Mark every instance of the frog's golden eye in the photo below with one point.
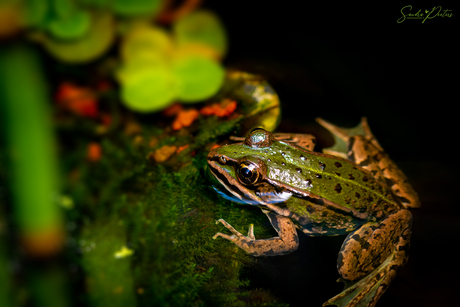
(248, 173)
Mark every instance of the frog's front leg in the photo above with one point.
(286, 242)
(370, 258)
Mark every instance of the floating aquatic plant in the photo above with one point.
(159, 68)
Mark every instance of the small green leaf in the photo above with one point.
(198, 77)
(71, 27)
(144, 41)
(148, 90)
(202, 27)
(95, 42)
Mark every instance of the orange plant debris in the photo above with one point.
(185, 118)
(220, 109)
(164, 153)
(94, 152)
(182, 148)
(78, 100)
(173, 110)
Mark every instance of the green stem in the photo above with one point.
(30, 140)
(26, 121)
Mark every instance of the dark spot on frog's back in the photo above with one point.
(357, 195)
(308, 182)
(322, 165)
(351, 176)
(298, 170)
(365, 179)
(318, 176)
(338, 164)
(338, 188)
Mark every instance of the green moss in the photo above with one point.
(108, 279)
(166, 214)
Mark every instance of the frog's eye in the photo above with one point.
(247, 172)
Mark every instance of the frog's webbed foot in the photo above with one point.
(285, 243)
(378, 250)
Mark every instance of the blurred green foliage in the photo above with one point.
(156, 66)
(159, 67)
(164, 212)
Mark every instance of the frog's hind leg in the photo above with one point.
(370, 258)
(359, 145)
(286, 242)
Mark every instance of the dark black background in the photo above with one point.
(342, 62)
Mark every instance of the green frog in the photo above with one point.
(354, 189)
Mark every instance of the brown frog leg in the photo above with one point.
(285, 243)
(370, 258)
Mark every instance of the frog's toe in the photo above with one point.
(251, 232)
(230, 227)
(223, 235)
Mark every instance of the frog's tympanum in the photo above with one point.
(359, 192)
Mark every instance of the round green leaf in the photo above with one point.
(146, 42)
(198, 77)
(73, 26)
(148, 90)
(203, 27)
(95, 42)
